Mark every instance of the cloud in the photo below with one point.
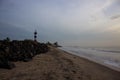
(115, 17)
(63, 20)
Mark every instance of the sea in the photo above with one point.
(109, 57)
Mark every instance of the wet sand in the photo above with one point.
(59, 65)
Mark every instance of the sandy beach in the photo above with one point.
(58, 65)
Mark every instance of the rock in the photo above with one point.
(27, 59)
(6, 64)
(19, 51)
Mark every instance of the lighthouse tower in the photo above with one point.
(35, 36)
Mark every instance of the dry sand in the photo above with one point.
(58, 65)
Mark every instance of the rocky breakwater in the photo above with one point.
(15, 50)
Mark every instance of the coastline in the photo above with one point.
(59, 65)
(93, 60)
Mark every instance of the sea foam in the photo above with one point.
(109, 57)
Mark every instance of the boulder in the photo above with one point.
(19, 51)
(6, 65)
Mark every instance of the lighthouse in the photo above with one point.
(35, 36)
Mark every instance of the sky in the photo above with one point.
(70, 22)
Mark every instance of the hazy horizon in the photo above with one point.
(69, 22)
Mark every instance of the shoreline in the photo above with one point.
(59, 65)
(93, 60)
(96, 62)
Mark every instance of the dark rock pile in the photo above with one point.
(53, 44)
(19, 51)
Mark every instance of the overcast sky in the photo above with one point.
(70, 22)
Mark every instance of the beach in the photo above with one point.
(57, 64)
(109, 57)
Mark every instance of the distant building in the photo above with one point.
(35, 35)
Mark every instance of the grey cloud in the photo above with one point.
(115, 17)
(55, 20)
